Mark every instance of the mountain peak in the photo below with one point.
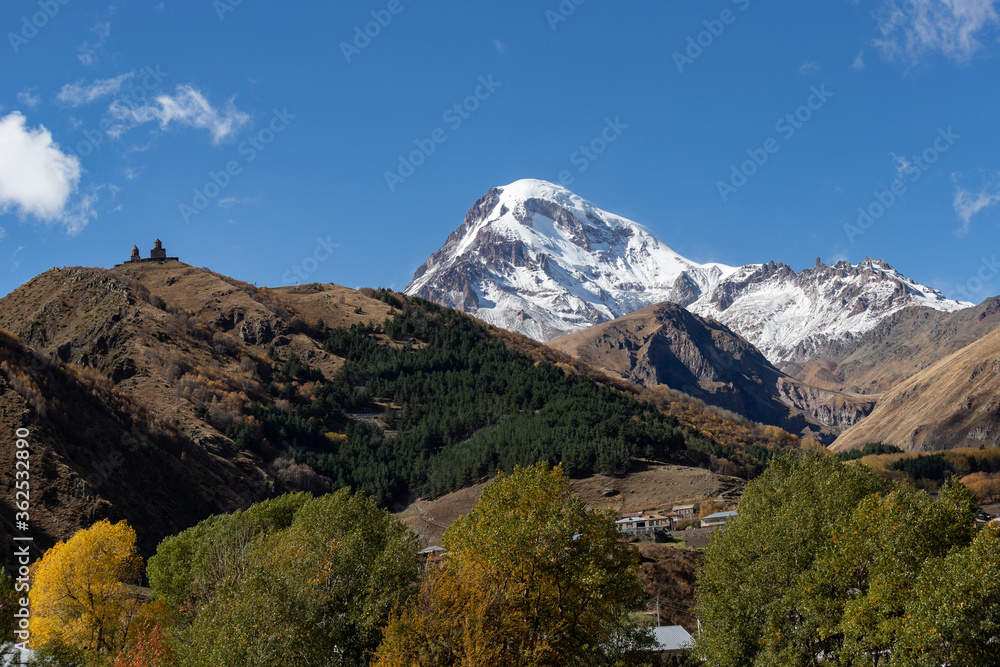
(536, 258)
(528, 188)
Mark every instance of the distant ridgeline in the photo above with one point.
(157, 254)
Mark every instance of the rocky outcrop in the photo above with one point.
(835, 410)
(667, 345)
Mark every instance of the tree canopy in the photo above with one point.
(829, 564)
(82, 590)
(296, 580)
(532, 578)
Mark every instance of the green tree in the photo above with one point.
(533, 578)
(189, 567)
(862, 581)
(315, 593)
(829, 565)
(746, 593)
(953, 615)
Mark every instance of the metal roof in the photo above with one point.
(672, 638)
(719, 515)
(430, 550)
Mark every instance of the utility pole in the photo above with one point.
(657, 611)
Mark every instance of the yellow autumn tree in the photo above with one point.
(82, 590)
(533, 579)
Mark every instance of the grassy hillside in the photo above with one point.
(952, 403)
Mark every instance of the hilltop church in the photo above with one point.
(157, 254)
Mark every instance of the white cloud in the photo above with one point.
(132, 174)
(967, 203)
(914, 28)
(500, 46)
(808, 67)
(88, 50)
(77, 94)
(38, 179)
(79, 213)
(904, 168)
(229, 202)
(26, 98)
(187, 107)
(859, 61)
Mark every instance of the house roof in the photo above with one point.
(430, 550)
(671, 638)
(719, 515)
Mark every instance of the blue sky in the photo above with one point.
(253, 137)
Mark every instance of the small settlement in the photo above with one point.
(652, 522)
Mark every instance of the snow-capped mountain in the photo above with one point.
(533, 257)
(788, 315)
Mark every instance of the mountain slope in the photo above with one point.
(111, 379)
(899, 346)
(97, 453)
(665, 344)
(952, 403)
(535, 258)
(233, 397)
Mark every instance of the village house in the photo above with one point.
(432, 556)
(672, 644)
(638, 523)
(717, 519)
(683, 511)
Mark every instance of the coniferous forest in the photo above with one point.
(455, 405)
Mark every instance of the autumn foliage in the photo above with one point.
(82, 592)
(151, 650)
(533, 578)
